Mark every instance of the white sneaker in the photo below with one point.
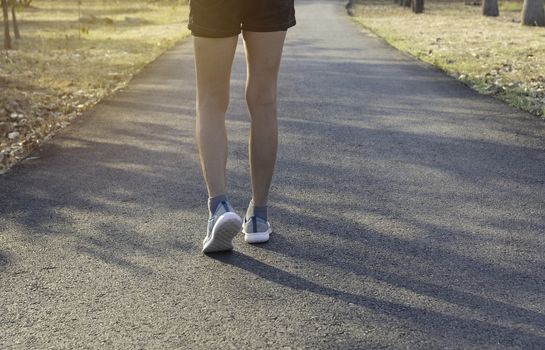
(256, 230)
(222, 228)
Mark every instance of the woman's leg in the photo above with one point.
(213, 62)
(263, 55)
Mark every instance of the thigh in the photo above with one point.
(263, 54)
(213, 62)
(268, 15)
(215, 18)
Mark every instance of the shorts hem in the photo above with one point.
(270, 28)
(200, 31)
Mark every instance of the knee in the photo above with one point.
(260, 96)
(213, 101)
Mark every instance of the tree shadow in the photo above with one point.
(4, 260)
(425, 318)
(122, 175)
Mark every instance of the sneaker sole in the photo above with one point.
(225, 229)
(257, 237)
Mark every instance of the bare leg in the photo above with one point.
(263, 55)
(213, 62)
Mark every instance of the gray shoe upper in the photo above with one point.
(222, 208)
(255, 224)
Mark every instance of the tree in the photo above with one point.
(407, 3)
(7, 37)
(533, 13)
(490, 8)
(417, 6)
(350, 7)
(14, 18)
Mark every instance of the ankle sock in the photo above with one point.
(259, 211)
(213, 203)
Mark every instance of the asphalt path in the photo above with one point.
(408, 212)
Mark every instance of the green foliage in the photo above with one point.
(512, 6)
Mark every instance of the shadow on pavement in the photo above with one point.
(427, 319)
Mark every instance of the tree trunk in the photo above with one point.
(533, 13)
(417, 6)
(15, 25)
(490, 8)
(407, 3)
(7, 38)
(350, 7)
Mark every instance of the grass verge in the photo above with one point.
(495, 56)
(69, 58)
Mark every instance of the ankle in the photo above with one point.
(214, 202)
(259, 211)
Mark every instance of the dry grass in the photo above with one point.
(496, 56)
(63, 66)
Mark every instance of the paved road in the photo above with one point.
(408, 213)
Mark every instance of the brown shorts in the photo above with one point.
(224, 18)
